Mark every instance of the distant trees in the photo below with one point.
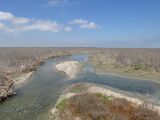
(142, 58)
(16, 59)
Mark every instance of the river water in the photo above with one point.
(40, 93)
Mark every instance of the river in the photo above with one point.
(40, 93)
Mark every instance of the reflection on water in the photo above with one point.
(40, 94)
(122, 83)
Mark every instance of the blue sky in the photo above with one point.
(80, 23)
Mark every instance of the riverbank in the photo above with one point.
(21, 79)
(17, 61)
(84, 94)
(18, 77)
(108, 65)
(6, 88)
(15, 78)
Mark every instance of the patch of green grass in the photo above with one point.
(61, 105)
(141, 67)
(103, 97)
(76, 90)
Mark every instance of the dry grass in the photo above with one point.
(98, 107)
(139, 59)
(140, 63)
(12, 59)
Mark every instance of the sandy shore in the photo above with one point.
(7, 83)
(107, 92)
(70, 68)
(21, 78)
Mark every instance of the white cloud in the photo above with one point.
(84, 24)
(5, 28)
(54, 2)
(43, 26)
(57, 2)
(6, 16)
(68, 29)
(2, 26)
(90, 25)
(11, 23)
(79, 21)
(20, 20)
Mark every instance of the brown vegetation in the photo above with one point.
(137, 58)
(98, 107)
(16, 59)
(140, 63)
(5, 88)
(13, 59)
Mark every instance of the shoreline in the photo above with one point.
(23, 74)
(101, 72)
(13, 82)
(6, 89)
(124, 71)
(22, 78)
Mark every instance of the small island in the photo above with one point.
(70, 68)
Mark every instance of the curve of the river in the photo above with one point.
(34, 100)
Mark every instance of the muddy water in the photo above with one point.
(40, 93)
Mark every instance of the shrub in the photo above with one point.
(98, 107)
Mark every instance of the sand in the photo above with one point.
(70, 68)
(22, 79)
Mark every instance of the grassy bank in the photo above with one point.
(78, 103)
(139, 63)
